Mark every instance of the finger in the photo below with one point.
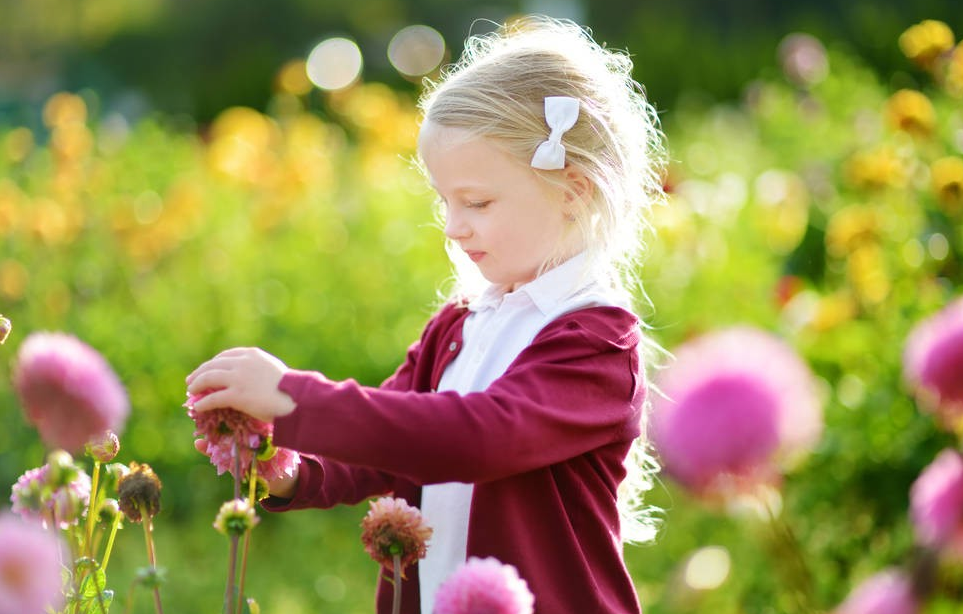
(215, 400)
(208, 381)
(223, 360)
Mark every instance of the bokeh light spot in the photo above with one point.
(416, 50)
(708, 568)
(334, 64)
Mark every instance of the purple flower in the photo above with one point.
(933, 363)
(484, 586)
(29, 568)
(37, 498)
(737, 403)
(888, 592)
(936, 502)
(68, 390)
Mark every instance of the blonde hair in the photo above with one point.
(497, 90)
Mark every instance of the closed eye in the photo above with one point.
(478, 204)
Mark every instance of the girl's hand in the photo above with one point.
(245, 379)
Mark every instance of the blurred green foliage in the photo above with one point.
(807, 207)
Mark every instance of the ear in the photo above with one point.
(578, 187)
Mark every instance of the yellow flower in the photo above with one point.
(926, 41)
(911, 112)
(954, 72)
(851, 228)
(833, 310)
(947, 178)
(878, 168)
(64, 108)
(868, 274)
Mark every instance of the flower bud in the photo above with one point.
(138, 492)
(235, 518)
(104, 447)
(109, 509)
(62, 470)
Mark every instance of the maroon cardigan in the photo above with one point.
(544, 446)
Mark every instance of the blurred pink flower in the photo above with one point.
(888, 592)
(30, 564)
(936, 503)
(68, 390)
(392, 527)
(5, 328)
(737, 404)
(933, 363)
(804, 59)
(484, 586)
(223, 430)
(36, 499)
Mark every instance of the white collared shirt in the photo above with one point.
(500, 326)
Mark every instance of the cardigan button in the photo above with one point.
(453, 346)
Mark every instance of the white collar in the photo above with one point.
(545, 291)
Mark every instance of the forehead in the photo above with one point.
(456, 155)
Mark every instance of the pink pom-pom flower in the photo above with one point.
(888, 592)
(933, 364)
(225, 432)
(936, 503)
(68, 390)
(393, 528)
(736, 406)
(37, 498)
(484, 586)
(30, 556)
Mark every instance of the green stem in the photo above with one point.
(396, 601)
(231, 573)
(110, 541)
(148, 523)
(791, 562)
(91, 510)
(240, 585)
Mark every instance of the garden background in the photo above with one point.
(172, 184)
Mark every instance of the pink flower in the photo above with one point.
(29, 568)
(5, 328)
(888, 592)
(36, 498)
(225, 430)
(737, 403)
(484, 586)
(392, 527)
(933, 363)
(68, 390)
(936, 503)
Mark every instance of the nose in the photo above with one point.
(456, 227)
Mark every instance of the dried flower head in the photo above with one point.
(936, 503)
(68, 390)
(933, 362)
(5, 327)
(138, 492)
(30, 567)
(104, 447)
(236, 517)
(51, 502)
(394, 528)
(739, 406)
(484, 586)
(888, 592)
(226, 432)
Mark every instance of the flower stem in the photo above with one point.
(91, 510)
(231, 572)
(148, 523)
(396, 601)
(791, 562)
(110, 541)
(252, 493)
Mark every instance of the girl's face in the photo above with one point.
(507, 220)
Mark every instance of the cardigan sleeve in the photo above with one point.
(575, 388)
(324, 482)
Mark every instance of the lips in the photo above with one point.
(474, 255)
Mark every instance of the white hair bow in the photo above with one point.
(560, 115)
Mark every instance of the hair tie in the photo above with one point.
(560, 115)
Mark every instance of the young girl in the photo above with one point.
(511, 422)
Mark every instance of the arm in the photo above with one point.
(575, 388)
